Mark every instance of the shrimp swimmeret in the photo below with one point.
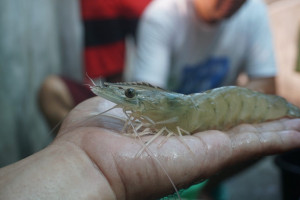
(169, 113)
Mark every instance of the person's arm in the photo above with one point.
(265, 85)
(88, 161)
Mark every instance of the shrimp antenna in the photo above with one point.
(53, 131)
(115, 106)
(91, 79)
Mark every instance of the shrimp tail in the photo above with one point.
(293, 111)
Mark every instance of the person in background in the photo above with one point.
(106, 24)
(195, 45)
(93, 162)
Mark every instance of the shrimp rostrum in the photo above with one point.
(221, 108)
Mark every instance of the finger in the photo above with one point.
(266, 138)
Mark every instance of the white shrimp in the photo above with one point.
(172, 113)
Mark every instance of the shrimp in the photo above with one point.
(221, 108)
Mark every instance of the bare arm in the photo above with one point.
(87, 161)
(265, 85)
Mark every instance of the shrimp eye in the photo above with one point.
(130, 93)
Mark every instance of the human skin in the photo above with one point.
(265, 85)
(214, 11)
(88, 161)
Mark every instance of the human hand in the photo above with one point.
(90, 159)
(208, 152)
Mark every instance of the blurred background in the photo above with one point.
(43, 37)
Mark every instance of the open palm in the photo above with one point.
(186, 161)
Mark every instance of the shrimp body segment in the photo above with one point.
(220, 108)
